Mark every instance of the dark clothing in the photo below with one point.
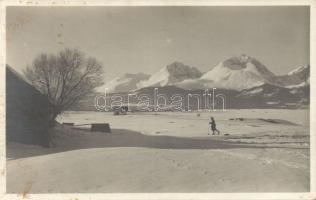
(213, 127)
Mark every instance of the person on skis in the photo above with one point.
(212, 125)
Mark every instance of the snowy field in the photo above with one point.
(257, 151)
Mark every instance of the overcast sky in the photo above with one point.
(144, 39)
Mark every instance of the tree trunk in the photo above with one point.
(55, 113)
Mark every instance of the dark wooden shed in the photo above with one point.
(28, 112)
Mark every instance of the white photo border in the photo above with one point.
(152, 196)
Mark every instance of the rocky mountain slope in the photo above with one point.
(126, 82)
(171, 75)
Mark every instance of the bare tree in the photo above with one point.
(65, 78)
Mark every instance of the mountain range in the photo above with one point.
(244, 80)
(235, 73)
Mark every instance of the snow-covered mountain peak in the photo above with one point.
(238, 73)
(171, 74)
(235, 73)
(125, 82)
(244, 62)
(236, 63)
(182, 71)
(298, 70)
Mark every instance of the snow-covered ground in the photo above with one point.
(257, 151)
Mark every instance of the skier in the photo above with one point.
(212, 125)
